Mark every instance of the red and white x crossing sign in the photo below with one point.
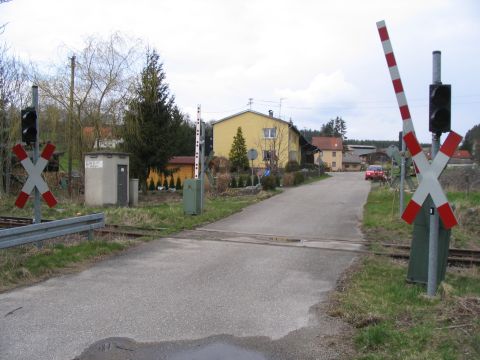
(34, 175)
(429, 183)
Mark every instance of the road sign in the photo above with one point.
(34, 175)
(429, 183)
(252, 154)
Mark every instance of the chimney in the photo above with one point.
(270, 113)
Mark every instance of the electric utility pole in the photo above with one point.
(70, 124)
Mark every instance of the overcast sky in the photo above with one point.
(323, 58)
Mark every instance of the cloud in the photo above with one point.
(324, 88)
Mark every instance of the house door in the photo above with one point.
(122, 185)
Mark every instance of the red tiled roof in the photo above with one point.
(327, 143)
(182, 160)
(461, 154)
(104, 131)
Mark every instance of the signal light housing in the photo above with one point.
(440, 108)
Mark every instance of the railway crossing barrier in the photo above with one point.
(37, 232)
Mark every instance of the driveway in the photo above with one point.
(248, 287)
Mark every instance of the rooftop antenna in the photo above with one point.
(250, 102)
(280, 108)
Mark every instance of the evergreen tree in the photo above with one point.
(171, 184)
(335, 128)
(178, 185)
(150, 127)
(238, 152)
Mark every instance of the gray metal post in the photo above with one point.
(36, 150)
(402, 177)
(434, 219)
(202, 164)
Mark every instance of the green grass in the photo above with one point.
(396, 321)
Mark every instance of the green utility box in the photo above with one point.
(418, 264)
(192, 197)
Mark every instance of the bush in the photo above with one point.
(277, 180)
(255, 180)
(233, 184)
(165, 184)
(223, 181)
(288, 179)
(249, 181)
(269, 182)
(298, 178)
(241, 182)
(178, 185)
(220, 164)
(292, 166)
(171, 184)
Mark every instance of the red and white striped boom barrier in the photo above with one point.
(429, 184)
(34, 175)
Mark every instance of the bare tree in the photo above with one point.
(13, 82)
(104, 76)
(2, 27)
(273, 144)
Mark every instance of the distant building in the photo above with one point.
(331, 151)
(103, 138)
(352, 162)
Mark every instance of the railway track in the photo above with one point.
(456, 256)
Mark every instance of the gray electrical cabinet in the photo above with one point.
(418, 263)
(192, 197)
(106, 179)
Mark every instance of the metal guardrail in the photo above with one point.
(37, 232)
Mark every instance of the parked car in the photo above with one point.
(375, 172)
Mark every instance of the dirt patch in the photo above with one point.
(158, 197)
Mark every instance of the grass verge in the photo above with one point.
(394, 319)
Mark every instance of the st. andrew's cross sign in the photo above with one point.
(34, 175)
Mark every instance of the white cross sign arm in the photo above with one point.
(429, 184)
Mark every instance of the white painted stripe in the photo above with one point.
(387, 46)
(394, 73)
(401, 99)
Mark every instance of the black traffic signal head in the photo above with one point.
(440, 100)
(29, 125)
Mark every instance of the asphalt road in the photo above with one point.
(182, 298)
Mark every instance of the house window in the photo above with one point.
(270, 133)
(268, 155)
(334, 164)
(334, 154)
(347, 166)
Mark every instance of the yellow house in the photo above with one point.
(181, 167)
(331, 151)
(276, 141)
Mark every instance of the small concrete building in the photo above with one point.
(106, 178)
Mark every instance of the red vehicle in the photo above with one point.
(375, 172)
